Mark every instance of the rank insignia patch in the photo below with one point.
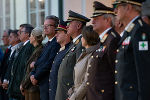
(143, 45)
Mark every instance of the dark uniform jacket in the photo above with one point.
(100, 72)
(43, 66)
(54, 72)
(65, 73)
(18, 70)
(133, 63)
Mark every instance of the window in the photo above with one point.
(36, 12)
(4, 16)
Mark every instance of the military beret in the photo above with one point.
(62, 26)
(37, 31)
(135, 2)
(75, 16)
(146, 8)
(100, 9)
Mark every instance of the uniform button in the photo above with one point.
(89, 65)
(50, 71)
(92, 57)
(87, 74)
(131, 87)
(53, 62)
(123, 47)
(117, 50)
(116, 61)
(57, 53)
(102, 91)
(49, 89)
(116, 82)
(87, 83)
(68, 55)
(63, 59)
(49, 80)
(97, 56)
(116, 72)
(68, 84)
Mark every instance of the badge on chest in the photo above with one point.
(143, 45)
(101, 49)
(126, 41)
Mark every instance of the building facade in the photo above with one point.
(15, 12)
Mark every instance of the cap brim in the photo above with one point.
(96, 15)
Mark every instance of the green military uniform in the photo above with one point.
(65, 74)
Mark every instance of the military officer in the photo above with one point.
(132, 67)
(65, 75)
(101, 67)
(64, 40)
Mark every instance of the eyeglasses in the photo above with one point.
(22, 32)
(46, 26)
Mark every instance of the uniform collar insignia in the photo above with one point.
(104, 37)
(140, 22)
(77, 41)
(129, 29)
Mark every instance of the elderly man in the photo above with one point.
(132, 60)
(101, 69)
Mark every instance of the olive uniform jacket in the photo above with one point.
(100, 81)
(65, 73)
(133, 63)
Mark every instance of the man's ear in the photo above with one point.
(79, 26)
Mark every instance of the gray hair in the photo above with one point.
(112, 18)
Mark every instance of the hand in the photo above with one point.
(33, 80)
(5, 85)
(22, 90)
(32, 65)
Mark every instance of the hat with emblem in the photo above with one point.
(100, 9)
(146, 8)
(75, 16)
(135, 2)
(62, 26)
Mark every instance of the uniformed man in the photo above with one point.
(146, 12)
(64, 40)
(132, 68)
(65, 75)
(101, 68)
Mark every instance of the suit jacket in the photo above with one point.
(26, 82)
(80, 74)
(18, 70)
(65, 73)
(100, 81)
(132, 68)
(43, 66)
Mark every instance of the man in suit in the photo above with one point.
(19, 64)
(132, 60)
(65, 75)
(4, 63)
(43, 65)
(100, 72)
